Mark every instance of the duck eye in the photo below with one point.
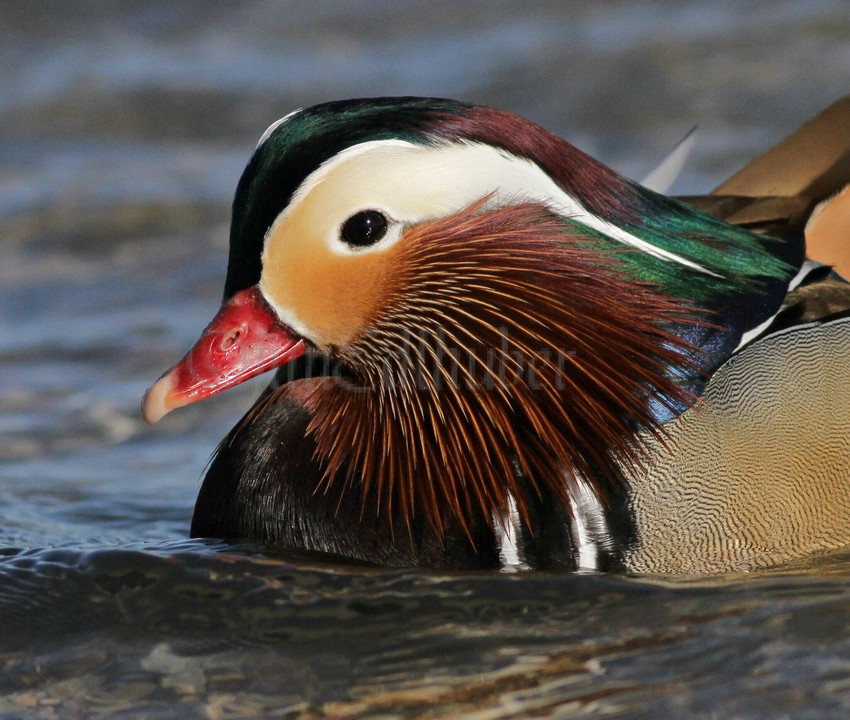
(364, 228)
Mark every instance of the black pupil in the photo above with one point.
(364, 228)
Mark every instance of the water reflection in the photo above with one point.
(197, 626)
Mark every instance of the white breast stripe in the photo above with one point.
(586, 554)
(807, 267)
(753, 333)
(507, 535)
(590, 527)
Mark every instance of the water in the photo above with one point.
(193, 630)
(123, 131)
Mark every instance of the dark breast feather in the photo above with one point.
(264, 485)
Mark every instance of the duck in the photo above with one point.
(492, 351)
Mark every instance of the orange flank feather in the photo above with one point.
(809, 165)
(828, 233)
(505, 352)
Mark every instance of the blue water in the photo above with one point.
(123, 131)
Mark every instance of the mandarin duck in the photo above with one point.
(495, 352)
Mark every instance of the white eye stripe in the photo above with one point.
(416, 183)
(326, 168)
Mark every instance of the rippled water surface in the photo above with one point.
(123, 131)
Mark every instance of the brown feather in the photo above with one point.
(505, 348)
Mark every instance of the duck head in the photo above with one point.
(501, 311)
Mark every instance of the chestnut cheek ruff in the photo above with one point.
(509, 352)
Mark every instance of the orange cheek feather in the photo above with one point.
(333, 296)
